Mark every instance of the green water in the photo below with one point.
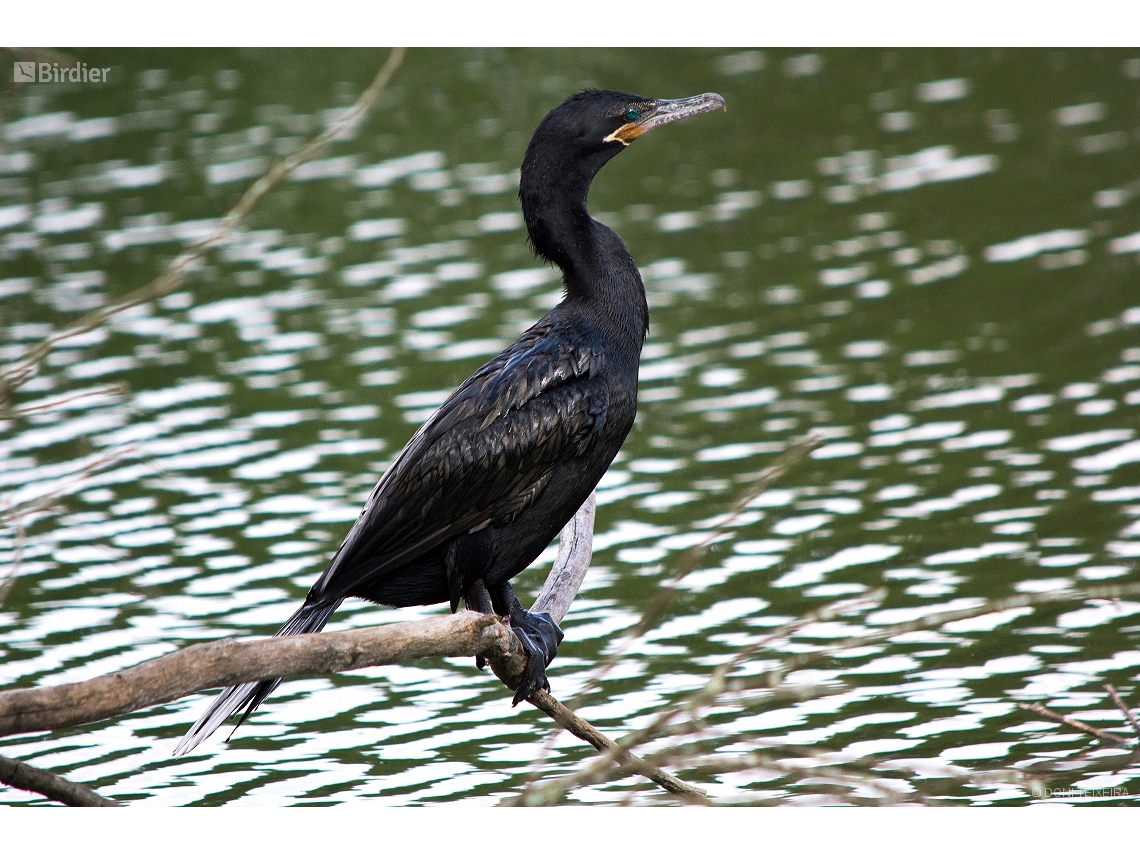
(927, 257)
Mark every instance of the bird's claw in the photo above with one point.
(540, 636)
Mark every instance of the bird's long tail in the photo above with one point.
(247, 696)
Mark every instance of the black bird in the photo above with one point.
(493, 476)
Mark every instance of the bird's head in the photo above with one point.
(597, 120)
(583, 132)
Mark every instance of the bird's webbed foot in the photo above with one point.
(540, 637)
(536, 631)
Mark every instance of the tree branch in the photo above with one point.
(24, 777)
(612, 753)
(1076, 724)
(228, 662)
(575, 548)
(14, 376)
(1120, 705)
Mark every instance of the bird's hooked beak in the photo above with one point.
(664, 112)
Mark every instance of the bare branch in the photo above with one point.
(773, 676)
(59, 488)
(574, 551)
(20, 775)
(1069, 721)
(575, 546)
(228, 662)
(796, 451)
(1120, 705)
(16, 375)
(770, 679)
(614, 753)
(757, 483)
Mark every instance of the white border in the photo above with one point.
(722, 23)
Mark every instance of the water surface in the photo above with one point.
(929, 258)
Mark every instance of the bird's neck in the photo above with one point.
(599, 273)
(553, 198)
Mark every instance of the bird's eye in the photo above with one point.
(632, 114)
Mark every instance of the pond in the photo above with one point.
(926, 259)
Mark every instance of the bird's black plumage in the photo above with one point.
(504, 463)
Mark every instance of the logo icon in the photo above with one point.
(53, 72)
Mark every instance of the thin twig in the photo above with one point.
(773, 676)
(789, 755)
(614, 759)
(821, 615)
(66, 400)
(1040, 710)
(80, 477)
(613, 764)
(8, 580)
(20, 775)
(691, 703)
(614, 753)
(691, 558)
(1123, 708)
(838, 772)
(16, 375)
(575, 547)
(688, 561)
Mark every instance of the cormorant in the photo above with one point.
(492, 477)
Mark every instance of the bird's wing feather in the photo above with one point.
(482, 458)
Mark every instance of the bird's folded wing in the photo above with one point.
(482, 458)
